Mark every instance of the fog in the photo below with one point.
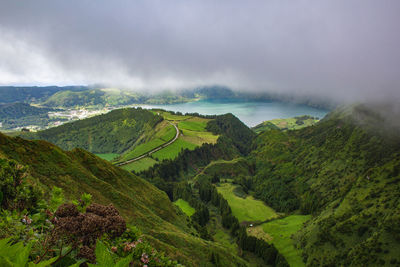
(344, 50)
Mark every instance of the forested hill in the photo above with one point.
(19, 110)
(29, 94)
(141, 204)
(21, 114)
(233, 129)
(346, 172)
(115, 131)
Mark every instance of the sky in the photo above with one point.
(336, 49)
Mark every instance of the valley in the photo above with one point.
(235, 188)
(200, 133)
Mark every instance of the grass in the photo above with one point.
(185, 207)
(140, 165)
(164, 132)
(194, 124)
(280, 231)
(199, 138)
(167, 133)
(287, 124)
(170, 117)
(248, 209)
(172, 151)
(193, 131)
(108, 156)
(142, 149)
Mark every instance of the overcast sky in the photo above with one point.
(341, 49)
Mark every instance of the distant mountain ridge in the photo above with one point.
(100, 96)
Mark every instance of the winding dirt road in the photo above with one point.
(153, 150)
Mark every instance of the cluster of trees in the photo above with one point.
(188, 161)
(201, 216)
(21, 114)
(233, 129)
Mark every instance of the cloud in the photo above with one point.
(342, 49)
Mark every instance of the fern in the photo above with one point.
(105, 258)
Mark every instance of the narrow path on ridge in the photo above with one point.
(153, 150)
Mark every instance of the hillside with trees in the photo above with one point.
(31, 172)
(113, 132)
(14, 115)
(345, 172)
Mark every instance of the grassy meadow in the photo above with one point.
(280, 232)
(248, 209)
(172, 151)
(140, 165)
(108, 156)
(185, 207)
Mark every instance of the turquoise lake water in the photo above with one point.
(249, 112)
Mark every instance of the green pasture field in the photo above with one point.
(185, 207)
(280, 231)
(108, 156)
(194, 124)
(140, 165)
(172, 151)
(142, 149)
(248, 209)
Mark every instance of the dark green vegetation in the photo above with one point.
(139, 203)
(344, 171)
(286, 124)
(323, 195)
(20, 114)
(114, 132)
(34, 94)
(42, 232)
(102, 97)
(91, 98)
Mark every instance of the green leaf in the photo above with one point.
(124, 261)
(78, 263)
(5, 262)
(103, 256)
(43, 263)
(23, 255)
(4, 246)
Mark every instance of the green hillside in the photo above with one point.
(344, 171)
(192, 134)
(113, 132)
(140, 203)
(286, 124)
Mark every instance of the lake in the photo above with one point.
(249, 112)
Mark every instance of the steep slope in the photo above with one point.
(346, 172)
(113, 132)
(141, 204)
